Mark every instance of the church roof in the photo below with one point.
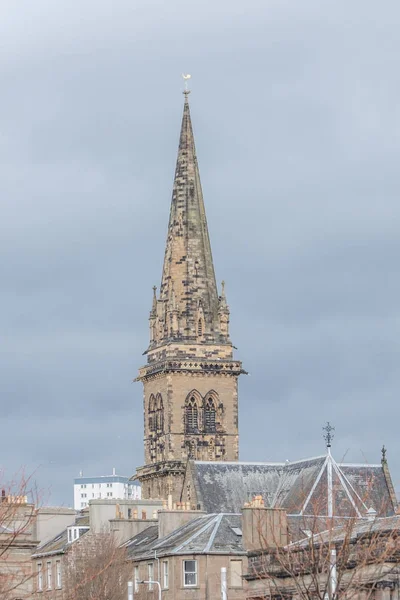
(207, 534)
(300, 487)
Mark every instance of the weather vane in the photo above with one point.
(328, 436)
(186, 78)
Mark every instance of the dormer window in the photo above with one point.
(75, 532)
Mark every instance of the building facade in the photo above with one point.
(105, 486)
(85, 540)
(355, 558)
(22, 526)
(190, 381)
(17, 542)
(185, 553)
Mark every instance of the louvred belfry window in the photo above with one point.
(191, 416)
(209, 416)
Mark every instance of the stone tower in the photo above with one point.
(190, 379)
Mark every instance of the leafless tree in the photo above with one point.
(19, 501)
(97, 569)
(338, 557)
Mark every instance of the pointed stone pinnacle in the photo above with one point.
(188, 265)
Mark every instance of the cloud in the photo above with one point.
(297, 130)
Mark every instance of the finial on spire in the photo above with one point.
(328, 436)
(223, 289)
(154, 305)
(383, 453)
(186, 90)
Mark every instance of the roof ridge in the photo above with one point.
(294, 462)
(210, 542)
(374, 465)
(237, 462)
(186, 525)
(196, 533)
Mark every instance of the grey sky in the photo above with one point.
(295, 108)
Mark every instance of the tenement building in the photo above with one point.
(190, 379)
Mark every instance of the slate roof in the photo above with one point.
(298, 487)
(359, 528)
(59, 543)
(370, 483)
(226, 486)
(208, 534)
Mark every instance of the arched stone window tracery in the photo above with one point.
(152, 414)
(209, 415)
(191, 415)
(159, 414)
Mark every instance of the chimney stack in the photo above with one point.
(171, 519)
(262, 527)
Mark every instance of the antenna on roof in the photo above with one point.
(328, 435)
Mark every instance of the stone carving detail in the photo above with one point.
(223, 313)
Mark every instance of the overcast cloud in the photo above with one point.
(295, 107)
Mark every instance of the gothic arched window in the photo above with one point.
(209, 415)
(191, 416)
(160, 414)
(152, 413)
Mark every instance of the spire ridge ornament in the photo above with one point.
(154, 303)
(186, 91)
(384, 453)
(223, 289)
(328, 435)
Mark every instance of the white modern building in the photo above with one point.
(104, 487)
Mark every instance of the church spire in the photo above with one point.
(190, 380)
(188, 271)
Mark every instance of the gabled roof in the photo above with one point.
(296, 483)
(226, 486)
(208, 534)
(371, 484)
(299, 487)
